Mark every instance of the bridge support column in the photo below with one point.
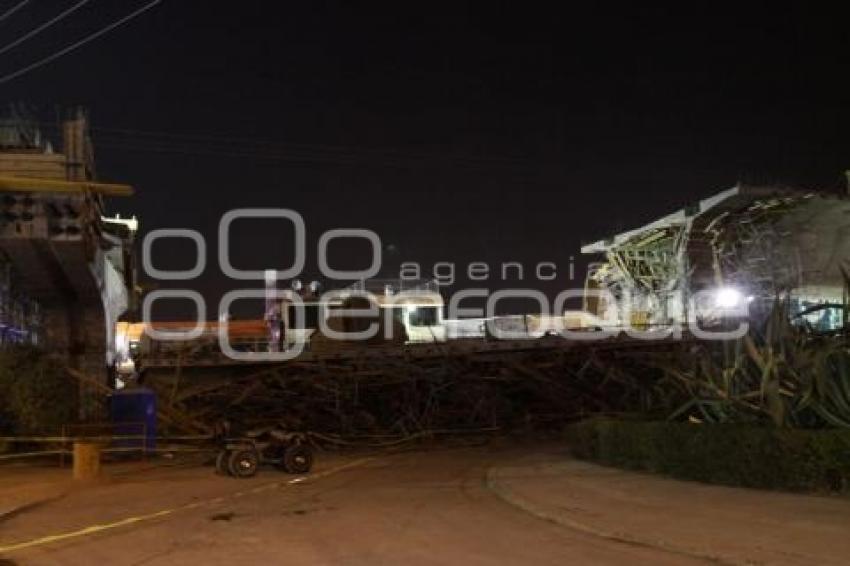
(78, 333)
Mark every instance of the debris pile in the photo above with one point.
(397, 397)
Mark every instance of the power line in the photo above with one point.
(125, 139)
(80, 43)
(13, 9)
(351, 158)
(44, 26)
(171, 139)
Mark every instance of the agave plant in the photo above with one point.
(779, 372)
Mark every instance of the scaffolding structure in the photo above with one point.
(765, 242)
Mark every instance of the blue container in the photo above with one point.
(133, 413)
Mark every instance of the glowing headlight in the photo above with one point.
(728, 298)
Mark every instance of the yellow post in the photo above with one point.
(86, 460)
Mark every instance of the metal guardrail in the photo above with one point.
(104, 433)
(94, 432)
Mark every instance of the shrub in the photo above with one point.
(728, 454)
(36, 394)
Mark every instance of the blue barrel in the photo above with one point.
(133, 413)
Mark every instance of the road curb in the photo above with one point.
(511, 497)
(15, 510)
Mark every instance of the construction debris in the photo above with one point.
(400, 393)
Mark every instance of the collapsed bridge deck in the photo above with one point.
(403, 390)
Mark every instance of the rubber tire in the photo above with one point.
(243, 463)
(222, 464)
(298, 459)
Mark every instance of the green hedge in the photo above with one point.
(738, 455)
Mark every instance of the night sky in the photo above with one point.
(459, 132)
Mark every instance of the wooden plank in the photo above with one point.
(58, 175)
(41, 166)
(21, 184)
(25, 166)
(32, 157)
(32, 163)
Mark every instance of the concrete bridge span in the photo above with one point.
(67, 270)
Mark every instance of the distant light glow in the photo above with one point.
(728, 298)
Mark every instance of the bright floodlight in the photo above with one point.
(728, 298)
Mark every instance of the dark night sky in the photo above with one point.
(490, 132)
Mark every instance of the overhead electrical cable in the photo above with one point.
(76, 45)
(44, 26)
(13, 9)
(166, 140)
(147, 141)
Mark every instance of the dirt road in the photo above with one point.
(413, 508)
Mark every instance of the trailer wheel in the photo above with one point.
(243, 463)
(298, 459)
(222, 462)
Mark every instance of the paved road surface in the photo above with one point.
(431, 507)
